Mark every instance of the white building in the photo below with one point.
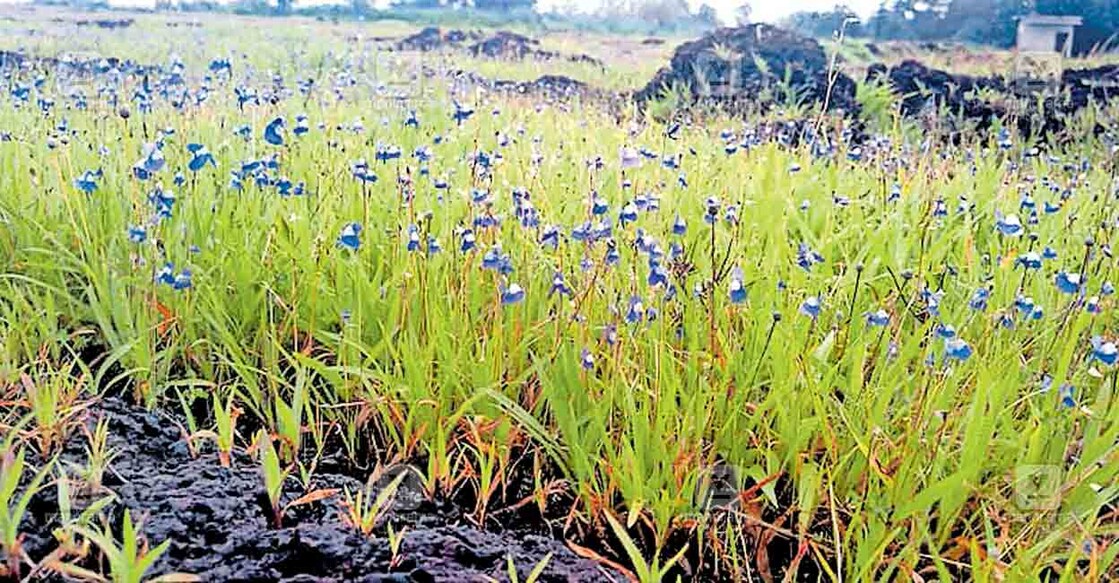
(1039, 33)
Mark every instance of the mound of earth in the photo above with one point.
(921, 88)
(107, 23)
(219, 528)
(434, 38)
(508, 45)
(749, 62)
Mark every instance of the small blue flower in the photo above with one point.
(878, 319)
(1107, 289)
(979, 300)
(1008, 225)
(1030, 260)
(87, 182)
(811, 307)
(468, 241)
(946, 331)
(413, 238)
(433, 245)
(183, 280)
(586, 359)
(512, 294)
(1104, 351)
(658, 275)
(1048, 253)
(956, 349)
(1068, 283)
(636, 310)
(679, 227)
(628, 213)
(274, 132)
(737, 286)
(1065, 392)
(1092, 305)
(200, 157)
(166, 274)
(137, 234)
(559, 286)
(350, 237)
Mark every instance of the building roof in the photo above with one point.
(1051, 20)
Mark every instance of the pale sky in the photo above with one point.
(763, 10)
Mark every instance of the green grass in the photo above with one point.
(891, 465)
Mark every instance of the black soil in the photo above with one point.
(761, 65)
(220, 531)
(749, 62)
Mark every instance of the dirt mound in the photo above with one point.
(508, 45)
(1086, 85)
(107, 23)
(921, 89)
(434, 38)
(550, 87)
(749, 62)
(219, 530)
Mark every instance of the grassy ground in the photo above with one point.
(861, 330)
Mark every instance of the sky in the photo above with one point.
(763, 10)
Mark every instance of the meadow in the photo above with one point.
(686, 346)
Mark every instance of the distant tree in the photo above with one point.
(823, 24)
(743, 13)
(284, 6)
(504, 5)
(708, 16)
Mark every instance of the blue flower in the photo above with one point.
(87, 182)
(956, 349)
(878, 319)
(350, 237)
(461, 113)
(468, 241)
(679, 227)
(200, 157)
(586, 359)
(302, 127)
(946, 331)
(559, 286)
(273, 132)
(412, 121)
(150, 163)
(512, 294)
(1107, 289)
(1048, 253)
(1030, 260)
(979, 299)
(628, 213)
(1104, 351)
(737, 286)
(1092, 305)
(137, 234)
(1065, 392)
(1008, 225)
(182, 281)
(166, 274)
(636, 310)
(433, 245)
(806, 257)
(1068, 283)
(811, 307)
(658, 275)
(711, 215)
(413, 238)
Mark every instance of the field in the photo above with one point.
(281, 302)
